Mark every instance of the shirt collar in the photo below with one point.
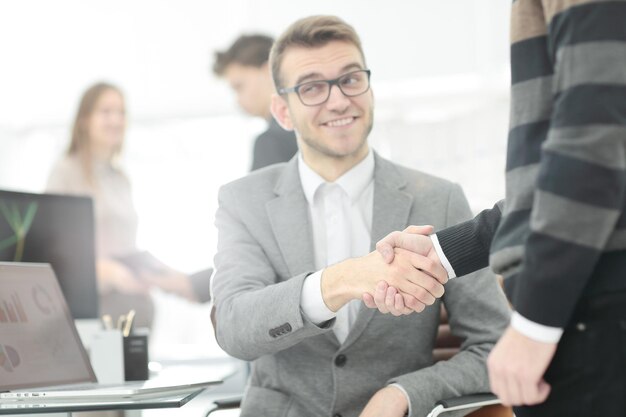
(310, 179)
(358, 178)
(352, 182)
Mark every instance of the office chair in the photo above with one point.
(225, 404)
(446, 346)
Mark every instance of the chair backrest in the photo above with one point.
(447, 345)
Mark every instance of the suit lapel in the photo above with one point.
(392, 207)
(289, 216)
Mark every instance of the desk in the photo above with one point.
(66, 409)
(229, 370)
(182, 371)
(232, 386)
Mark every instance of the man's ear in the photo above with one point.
(280, 111)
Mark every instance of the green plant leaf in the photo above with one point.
(31, 210)
(8, 242)
(17, 214)
(6, 212)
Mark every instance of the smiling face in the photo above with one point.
(338, 128)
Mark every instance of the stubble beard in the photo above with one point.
(327, 151)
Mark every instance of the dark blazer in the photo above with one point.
(466, 245)
(273, 146)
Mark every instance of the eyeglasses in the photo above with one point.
(314, 93)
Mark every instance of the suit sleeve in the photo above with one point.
(256, 313)
(478, 313)
(466, 245)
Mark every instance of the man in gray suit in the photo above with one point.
(315, 350)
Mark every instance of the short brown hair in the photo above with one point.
(247, 50)
(311, 32)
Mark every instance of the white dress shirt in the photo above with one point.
(528, 328)
(341, 218)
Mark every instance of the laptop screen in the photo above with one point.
(55, 229)
(39, 345)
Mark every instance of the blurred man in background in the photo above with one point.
(245, 66)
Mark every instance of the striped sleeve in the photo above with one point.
(581, 177)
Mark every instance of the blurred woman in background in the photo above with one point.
(91, 167)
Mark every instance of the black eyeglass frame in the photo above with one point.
(295, 89)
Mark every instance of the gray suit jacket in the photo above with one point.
(265, 251)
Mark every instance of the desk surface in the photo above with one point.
(166, 401)
(173, 370)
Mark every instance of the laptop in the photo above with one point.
(41, 355)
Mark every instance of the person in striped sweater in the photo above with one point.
(559, 239)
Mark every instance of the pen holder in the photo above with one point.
(106, 355)
(136, 356)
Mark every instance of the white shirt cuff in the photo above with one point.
(312, 302)
(442, 258)
(406, 394)
(535, 331)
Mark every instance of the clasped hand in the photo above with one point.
(390, 298)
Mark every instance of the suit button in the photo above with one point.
(341, 360)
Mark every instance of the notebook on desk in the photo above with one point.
(41, 355)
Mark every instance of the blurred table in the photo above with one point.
(232, 372)
(58, 408)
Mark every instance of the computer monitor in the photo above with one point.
(57, 229)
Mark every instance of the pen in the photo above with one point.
(129, 322)
(120, 321)
(107, 322)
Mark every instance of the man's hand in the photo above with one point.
(409, 273)
(413, 238)
(114, 276)
(171, 281)
(516, 367)
(388, 299)
(387, 402)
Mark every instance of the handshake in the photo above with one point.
(403, 275)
